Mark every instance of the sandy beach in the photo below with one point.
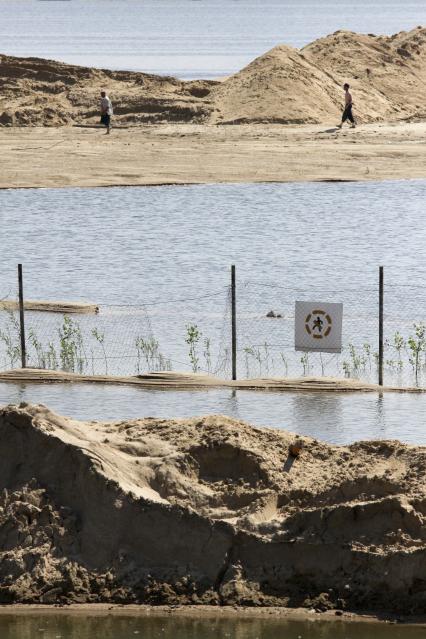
(273, 121)
(197, 154)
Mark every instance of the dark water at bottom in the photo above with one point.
(66, 626)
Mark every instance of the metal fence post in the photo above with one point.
(22, 318)
(381, 300)
(234, 323)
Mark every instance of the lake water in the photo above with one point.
(333, 417)
(65, 626)
(158, 260)
(186, 38)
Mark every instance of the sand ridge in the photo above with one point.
(173, 380)
(47, 306)
(207, 510)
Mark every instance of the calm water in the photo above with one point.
(336, 418)
(186, 38)
(112, 627)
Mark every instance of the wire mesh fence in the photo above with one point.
(266, 317)
(194, 334)
(177, 334)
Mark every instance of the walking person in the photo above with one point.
(106, 111)
(347, 113)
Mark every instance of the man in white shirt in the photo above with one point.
(106, 111)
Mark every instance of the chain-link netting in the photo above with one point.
(194, 334)
(266, 331)
(405, 333)
(182, 334)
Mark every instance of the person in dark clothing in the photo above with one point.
(106, 111)
(347, 113)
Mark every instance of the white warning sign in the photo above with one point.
(318, 327)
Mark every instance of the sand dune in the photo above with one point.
(387, 76)
(285, 85)
(206, 510)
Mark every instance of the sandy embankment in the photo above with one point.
(206, 511)
(178, 131)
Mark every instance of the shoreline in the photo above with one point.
(195, 154)
(208, 612)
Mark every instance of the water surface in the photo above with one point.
(63, 626)
(338, 418)
(166, 253)
(187, 38)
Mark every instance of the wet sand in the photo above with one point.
(173, 380)
(80, 308)
(203, 154)
(210, 612)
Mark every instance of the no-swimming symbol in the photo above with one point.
(318, 324)
(318, 327)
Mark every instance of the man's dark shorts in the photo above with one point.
(105, 119)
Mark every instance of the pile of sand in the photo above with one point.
(280, 86)
(206, 510)
(285, 85)
(38, 92)
(387, 76)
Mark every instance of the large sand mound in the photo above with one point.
(285, 85)
(206, 510)
(280, 86)
(387, 74)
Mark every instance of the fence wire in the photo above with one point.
(266, 332)
(124, 339)
(193, 333)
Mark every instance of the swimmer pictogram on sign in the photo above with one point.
(318, 327)
(318, 324)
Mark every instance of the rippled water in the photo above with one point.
(183, 37)
(333, 417)
(113, 627)
(118, 245)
